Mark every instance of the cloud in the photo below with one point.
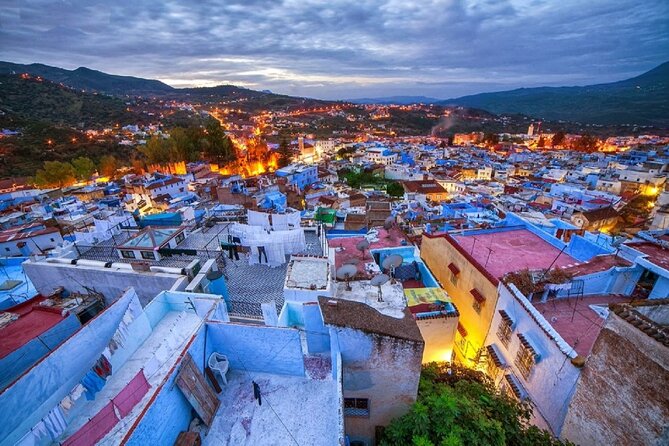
(344, 48)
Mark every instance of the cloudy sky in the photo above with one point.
(337, 49)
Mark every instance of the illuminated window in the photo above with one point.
(356, 407)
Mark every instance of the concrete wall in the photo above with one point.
(616, 280)
(108, 281)
(438, 253)
(551, 383)
(383, 369)
(621, 398)
(38, 391)
(439, 336)
(258, 348)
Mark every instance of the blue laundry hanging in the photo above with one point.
(93, 384)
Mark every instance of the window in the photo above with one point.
(128, 254)
(526, 357)
(180, 238)
(477, 306)
(356, 407)
(505, 328)
(479, 299)
(149, 255)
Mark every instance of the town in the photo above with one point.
(211, 294)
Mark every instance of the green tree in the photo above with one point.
(586, 143)
(158, 150)
(558, 139)
(55, 174)
(186, 143)
(219, 148)
(108, 166)
(459, 406)
(84, 167)
(285, 153)
(395, 189)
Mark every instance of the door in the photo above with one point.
(198, 393)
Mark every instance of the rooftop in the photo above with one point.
(502, 252)
(15, 286)
(308, 273)
(656, 254)
(33, 320)
(575, 319)
(597, 264)
(346, 251)
(362, 316)
(241, 421)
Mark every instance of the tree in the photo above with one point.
(460, 406)
(219, 148)
(108, 166)
(586, 143)
(285, 153)
(84, 167)
(558, 139)
(158, 150)
(55, 174)
(395, 189)
(186, 143)
(541, 142)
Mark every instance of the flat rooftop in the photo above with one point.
(294, 410)
(17, 286)
(656, 254)
(33, 320)
(346, 251)
(576, 320)
(597, 264)
(308, 273)
(502, 252)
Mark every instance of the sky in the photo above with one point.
(344, 49)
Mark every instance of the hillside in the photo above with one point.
(32, 99)
(90, 80)
(395, 100)
(642, 100)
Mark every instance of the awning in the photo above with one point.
(417, 296)
(462, 330)
(496, 356)
(528, 345)
(454, 269)
(506, 317)
(515, 386)
(477, 295)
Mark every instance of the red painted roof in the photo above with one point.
(33, 321)
(655, 253)
(22, 232)
(597, 264)
(573, 319)
(387, 239)
(501, 252)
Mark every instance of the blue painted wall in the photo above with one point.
(258, 348)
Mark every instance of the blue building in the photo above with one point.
(299, 175)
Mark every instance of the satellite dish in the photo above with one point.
(392, 261)
(389, 223)
(378, 281)
(345, 273)
(362, 246)
(214, 275)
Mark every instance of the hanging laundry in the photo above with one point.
(93, 431)
(34, 436)
(55, 423)
(66, 403)
(93, 384)
(131, 394)
(76, 393)
(103, 367)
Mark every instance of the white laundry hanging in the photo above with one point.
(258, 219)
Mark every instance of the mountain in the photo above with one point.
(34, 99)
(402, 100)
(642, 100)
(90, 80)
